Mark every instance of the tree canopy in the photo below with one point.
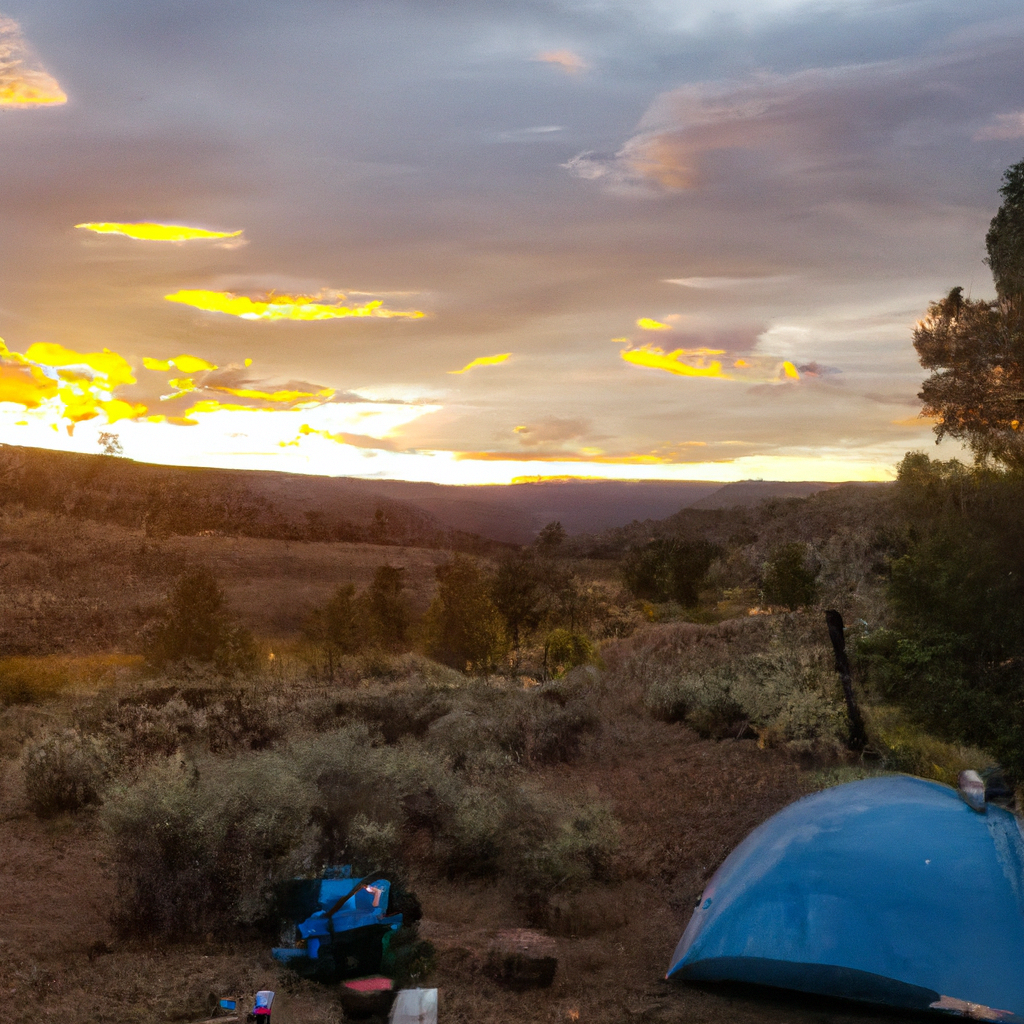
(975, 347)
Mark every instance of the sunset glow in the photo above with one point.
(283, 307)
(660, 243)
(157, 232)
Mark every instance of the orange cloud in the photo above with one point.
(283, 307)
(571, 62)
(157, 232)
(698, 363)
(23, 81)
(647, 324)
(483, 361)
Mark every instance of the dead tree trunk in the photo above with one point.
(858, 739)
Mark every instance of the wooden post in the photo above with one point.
(858, 739)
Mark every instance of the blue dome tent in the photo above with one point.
(889, 890)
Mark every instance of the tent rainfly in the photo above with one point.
(889, 890)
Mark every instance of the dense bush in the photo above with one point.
(199, 847)
(64, 771)
(564, 651)
(783, 697)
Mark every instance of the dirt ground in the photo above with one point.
(683, 803)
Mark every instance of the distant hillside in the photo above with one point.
(752, 492)
(166, 500)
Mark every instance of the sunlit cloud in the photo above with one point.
(284, 307)
(719, 283)
(701, 362)
(647, 324)
(187, 364)
(157, 232)
(483, 361)
(568, 61)
(1002, 128)
(70, 386)
(23, 81)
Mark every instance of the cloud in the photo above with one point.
(550, 430)
(719, 283)
(647, 324)
(701, 362)
(570, 62)
(157, 232)
(845, 131)
(483, 361)
(23, 81)
(284, 307)
(1002, 127)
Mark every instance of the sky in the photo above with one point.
(475, 241)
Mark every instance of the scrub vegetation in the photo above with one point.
(519, 736)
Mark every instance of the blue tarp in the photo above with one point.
(889, 890)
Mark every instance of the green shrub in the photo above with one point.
(64, 771)
(783, 697)
(564, 650)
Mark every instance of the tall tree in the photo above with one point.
(975, 347)
(462, 627)
(517, 594)
(387, 608)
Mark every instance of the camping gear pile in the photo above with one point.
(343, 928)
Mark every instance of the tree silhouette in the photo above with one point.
(975, 347)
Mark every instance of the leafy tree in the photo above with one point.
(787, 579)
(955, 660)
(669, 570)
(975, 347)
(196, 625)
(462, 627)
(387, 609)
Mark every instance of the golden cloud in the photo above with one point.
(571, 62)
(283, 307)
(76, 386)
(187, 364)
(483, 361)
(23, 81)
(157, 232)
(698, 362)
(647, 324)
